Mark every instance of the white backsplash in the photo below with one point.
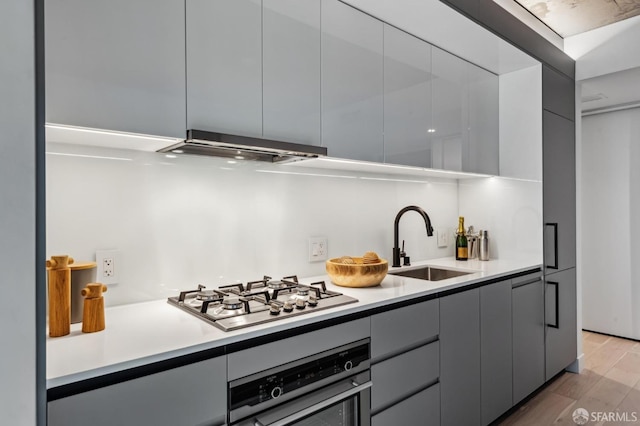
(189, 220)
(510, 209)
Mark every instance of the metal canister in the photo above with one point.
(483, 245)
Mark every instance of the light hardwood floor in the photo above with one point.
(610, 382)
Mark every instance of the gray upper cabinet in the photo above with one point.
(558, 93)
(465, 115)
(352, 68)
(560, 311)
(495, 350)
(105, 70)
(195, 394)
(224, 66)
(407, 99)
(449, 101)
(460, 359)
(291, 70)
(482, 150)
(559, 192)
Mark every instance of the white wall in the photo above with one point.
(610, 208)
(17, 215)
(181, 222)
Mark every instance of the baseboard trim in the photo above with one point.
(576, 366)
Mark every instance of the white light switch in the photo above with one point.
(317, 249)
(443, 238)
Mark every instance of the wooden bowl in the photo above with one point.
(357, 274)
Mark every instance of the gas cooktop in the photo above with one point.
(235, 306)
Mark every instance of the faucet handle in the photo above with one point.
(402, 252)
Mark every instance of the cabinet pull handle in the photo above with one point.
(555, 245)
(557, 322)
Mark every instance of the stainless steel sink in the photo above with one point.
(430, 273)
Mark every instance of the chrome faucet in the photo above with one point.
(396, 248)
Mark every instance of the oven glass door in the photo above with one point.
(344, 413)
(342, 404)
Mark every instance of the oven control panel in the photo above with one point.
(280, 381)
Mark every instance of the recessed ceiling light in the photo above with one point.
(239, 157)
(178, 151)
(171, 156)
(231, 162)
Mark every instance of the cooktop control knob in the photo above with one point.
(288, 306)
(348, 366)
(274, 309)
(300, 304)
(276, 392)
(312, 301)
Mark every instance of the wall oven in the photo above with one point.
(330, 388)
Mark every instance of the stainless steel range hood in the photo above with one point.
(214, 144)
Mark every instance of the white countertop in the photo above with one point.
(143, 333)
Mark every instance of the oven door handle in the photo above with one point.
(357, 388)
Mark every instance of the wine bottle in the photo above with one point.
(462, 246)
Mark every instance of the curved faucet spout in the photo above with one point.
(396, 248)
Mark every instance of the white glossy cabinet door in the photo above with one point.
(195, 394)
(407, 99)
(224, 66)
(352, 68)
(116, 65)
(449, 100)
(482, 151)
(291, 70)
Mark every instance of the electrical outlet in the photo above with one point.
(443, 237)
(109, 266)
(317, 249)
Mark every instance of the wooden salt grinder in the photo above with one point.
(59, 295)
(93, 311)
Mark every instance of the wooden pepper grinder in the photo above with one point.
(59, 295)
(93, 312)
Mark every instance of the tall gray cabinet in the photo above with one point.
(559, 215)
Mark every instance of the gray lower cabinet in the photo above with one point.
(561, 320)
(407, 99)
(460, 358)
(421, 409)
(195, 394)
(116, 65)
(291, 70)
(528, 335)
(352, 79)
(224, 66)
(495, 350)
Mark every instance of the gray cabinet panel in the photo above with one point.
(263, 357)
(192, 395)
(422, 409)
(482, 151)
(291, 70)
(561, 342)
(105, 70)
(352, 66)
(395, 330)
(558, 93)
(450, 108)
(559, 192)
(407, 99)
(224, 66)
(528, 338)
(495, 350)
(403, 375)
(460, 358)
